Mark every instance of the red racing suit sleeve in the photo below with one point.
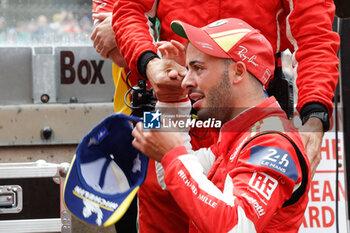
(243, 195)
(309, 30)
(133, 29)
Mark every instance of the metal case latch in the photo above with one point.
(11, 199)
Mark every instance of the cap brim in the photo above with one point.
(198, 38)
(178, 29)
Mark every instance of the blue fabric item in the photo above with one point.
(105, 172)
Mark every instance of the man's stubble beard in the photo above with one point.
(218, 99)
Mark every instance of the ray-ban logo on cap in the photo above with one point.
(243, 56)
(217, 23)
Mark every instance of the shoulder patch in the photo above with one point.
(274, 158)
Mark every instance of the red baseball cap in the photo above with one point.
(232, 38)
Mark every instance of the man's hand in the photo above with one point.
(173, 50)
(155, 143)
(165, 77)
(104, 41)
(312, 133)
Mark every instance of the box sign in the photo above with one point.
(62, 73)
(320, 214)
(83, 74)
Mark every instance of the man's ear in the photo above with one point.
(240, 72)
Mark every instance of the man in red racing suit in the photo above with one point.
(303, 27)
(256, 176)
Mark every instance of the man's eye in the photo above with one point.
(195, 67)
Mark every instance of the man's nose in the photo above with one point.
(188, 82)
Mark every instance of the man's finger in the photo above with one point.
(164, 52)
(135, 143)
(176, 75)
(136, 132)
(160, 43)
(96, 43)
(93, 34)
(173, 74)
(138, 126)
(101, 16)
(170, 49)
(104, 52)
(178, 45)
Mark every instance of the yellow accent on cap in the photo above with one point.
(230, 32)
(122, 208)
(227, 42)
(84, 198)
(66, 180)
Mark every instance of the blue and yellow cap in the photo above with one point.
(105, 173)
